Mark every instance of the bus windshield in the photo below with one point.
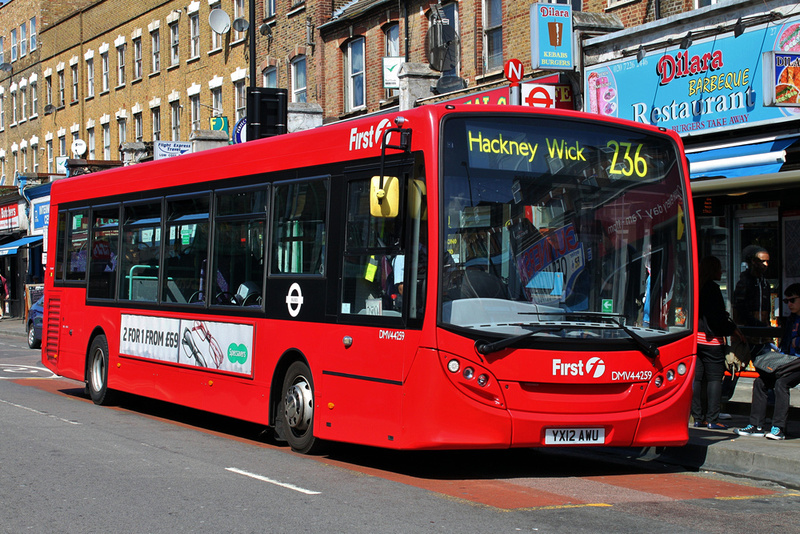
(576, 226)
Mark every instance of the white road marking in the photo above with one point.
(270, 481)
(23, 369)
(37, 412)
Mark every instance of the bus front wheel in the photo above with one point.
(298, 408)
(97, 375)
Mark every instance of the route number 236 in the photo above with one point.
(627, 159)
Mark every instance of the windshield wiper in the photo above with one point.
(647, 348)
(486, 347)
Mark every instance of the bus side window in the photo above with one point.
(239, 246)
(77, 245)
(141, 251)
(61, 245)
(300, 228)
(186, 256)
(103, 255)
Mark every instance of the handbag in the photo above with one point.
(737, 355)
(771, 361)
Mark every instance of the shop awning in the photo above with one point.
(740, 160)
(11, 248)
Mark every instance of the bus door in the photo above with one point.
(380, 303)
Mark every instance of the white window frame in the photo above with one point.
(105, 66)
(175, 119)
(62, 145)
(137, 58)
(14, 103)
(155, 47)
(13, 45)
(216, 38)
(299, 92)
(75, 80)
(239, 11)
(50, 155)
(174, 44)
(33, 42)
(90, 143)
(269, 77)
(23, 40)
(240, 98)
(194, 105)
(138, 125)
(490, 28)
(61, 89)
(34, 99)
(106, 141)
(121, 64)
(355, 73)
(194, 35)
(90, 77)
(23, 99)
(216, 101)
(155, 116)
(122, 129)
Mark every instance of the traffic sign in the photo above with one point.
(514, 70)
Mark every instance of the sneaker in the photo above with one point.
(717, 426)
(776, 433)
(699, 424)
(750, 430)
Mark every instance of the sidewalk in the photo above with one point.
(708, 450)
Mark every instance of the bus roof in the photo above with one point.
(337, 142)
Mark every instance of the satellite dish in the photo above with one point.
(78, 147)
(219, 21)
(5, 66)
(265, 30)
(240, 24)
(444, 46)
(49, 108)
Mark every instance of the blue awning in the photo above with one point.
(742, 160)
(11, 248)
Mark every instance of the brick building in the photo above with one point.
(119, 71)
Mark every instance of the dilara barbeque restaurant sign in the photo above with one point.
(722, 82)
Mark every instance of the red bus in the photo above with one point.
(445, 277)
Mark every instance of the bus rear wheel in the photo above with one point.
(97, 372)
(298, 409)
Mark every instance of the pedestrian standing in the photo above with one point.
(3, 295)
(714, 325)
(751, 298)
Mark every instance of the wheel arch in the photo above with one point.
(98, 331)
(287, 359)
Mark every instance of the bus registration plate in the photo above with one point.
(574, 436)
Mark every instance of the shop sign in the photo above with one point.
(551, 36)
(782, 81)
(170, 149)
(9, 218)
(533, 94)
(41, 215)
(717, 83)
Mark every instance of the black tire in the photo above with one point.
(97, 372)
(297, 409)
(32, 341)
